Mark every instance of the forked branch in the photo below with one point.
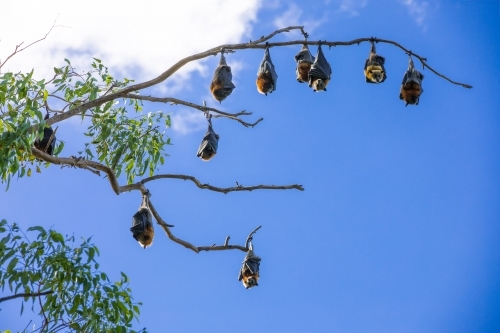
(204, 109)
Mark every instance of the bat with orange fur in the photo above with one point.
(142, 224)
(222, 85)
(304, 61)
(320, 72)
(249, 272)
(266, 76)
(411, 88)
(209, 144)
(374, 67)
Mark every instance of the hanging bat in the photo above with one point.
(210, 143)
(266, 76)
(249, 272)
(320, 72)
(374, 67)
(304, 61)
(222, 85)
(411, 88)
(48, 143)
(142, 224)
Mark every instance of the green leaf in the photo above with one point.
(12, 264)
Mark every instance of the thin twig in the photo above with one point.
(249, 238)
(7, 298)
(17, 50)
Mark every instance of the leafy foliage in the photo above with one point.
(79, 298)
(132, 145)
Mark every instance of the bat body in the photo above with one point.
(209, 144)
(304, 61)
(374, 67)
(411, 88)
(320, 72)
(142, 224)
(48, 143)
(266, 76)
(222, 85)
(249, 272)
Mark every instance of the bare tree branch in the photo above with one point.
(220, 189)
(7, 298)
(250, 237)
(204, 109)
(258, 44)
(79, 162)
(95, 167)
(17, 49)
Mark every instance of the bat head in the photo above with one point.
(250, 281)
(410, 92)
(145, 237)
(221, 94)
(265, 83)
(319, 85)
(375, 74)
(207, 154)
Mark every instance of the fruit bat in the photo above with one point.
(304, 61)
(320, 72)
(249, 272)
(48, 142)
(208, 147)
(142, 224)
(411, 88)
(266, 76)
(374, 67)
(222, 85)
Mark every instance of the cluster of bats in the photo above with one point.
(143, 232)
(316, 71)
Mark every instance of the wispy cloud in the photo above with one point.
(187, 121)
(136, 42)
(351, 7)
(293, 16)
(419, 10)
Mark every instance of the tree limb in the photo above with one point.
(7, 298)
(258, 44)
(95, 167)
(238, 187)
(204, 109)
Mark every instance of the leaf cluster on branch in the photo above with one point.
(63, 280)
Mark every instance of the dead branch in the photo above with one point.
(204, 109)
(95, 167)
(221, 189)
(17, 49)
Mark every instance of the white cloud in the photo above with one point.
(349, 7)
(187, 121)
(135, 39)
(419, 11)
(352, 7)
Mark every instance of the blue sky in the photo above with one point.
(397, 229)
